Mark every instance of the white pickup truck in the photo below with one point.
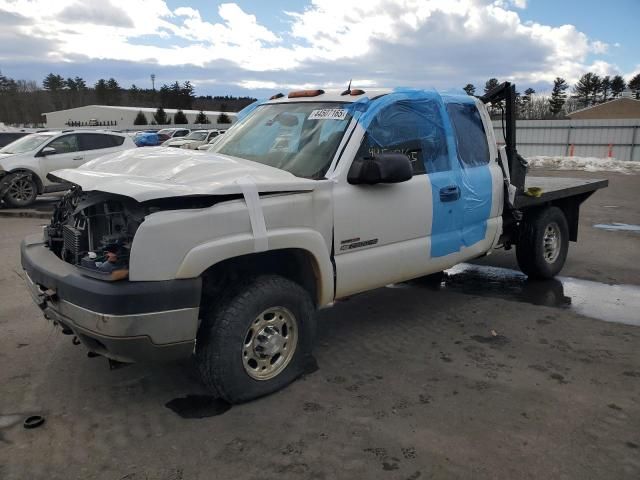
(160, 254)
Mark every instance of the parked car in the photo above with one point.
(26, 162)
(212, 142)
(7, 137)
(146, 139)
(193, 140)
(167, 133)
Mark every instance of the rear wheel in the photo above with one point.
(258, 340)
(22, 191)
(543, 243)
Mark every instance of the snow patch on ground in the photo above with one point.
(587, 164)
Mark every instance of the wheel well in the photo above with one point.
(293, 263)
(570, 206)
(35, 177)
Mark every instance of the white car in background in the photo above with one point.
(193, 140)
(212, 142)
(26, 162)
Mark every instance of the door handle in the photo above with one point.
(450, 193)
(77, 158)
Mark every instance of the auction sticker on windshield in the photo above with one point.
(328, 114)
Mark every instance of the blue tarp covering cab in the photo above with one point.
(445, 139)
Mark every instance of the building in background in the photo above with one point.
(122, 118)
(620, 108)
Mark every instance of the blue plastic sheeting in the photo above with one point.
(146, 139)
(417, 123)
(474, 159)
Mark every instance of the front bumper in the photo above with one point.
(125, 321)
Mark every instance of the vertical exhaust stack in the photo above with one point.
(517, 165)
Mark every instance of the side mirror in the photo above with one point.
(47, 151)
(380, 168)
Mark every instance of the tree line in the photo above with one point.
(24, 101)
(590, 89)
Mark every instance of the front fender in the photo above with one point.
(208, 254)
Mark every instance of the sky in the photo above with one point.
(258, 48)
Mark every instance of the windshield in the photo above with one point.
(26, 144)
(300, 138)
(166, 131)
(196, 136)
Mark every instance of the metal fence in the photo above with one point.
(581, 138)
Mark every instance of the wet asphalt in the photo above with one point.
(478, 374)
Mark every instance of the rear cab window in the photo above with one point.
(471, 138)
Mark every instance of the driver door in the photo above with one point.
(383, 232)
(68, 155)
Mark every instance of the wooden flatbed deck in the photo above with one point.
(555, 188)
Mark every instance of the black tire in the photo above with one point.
(221, 349)
(22, 192)
(534, 259)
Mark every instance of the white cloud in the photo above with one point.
(599, 47)
(410, 42)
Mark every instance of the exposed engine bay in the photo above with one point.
(94, 231)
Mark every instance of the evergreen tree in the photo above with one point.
(491, 84)
(180, 118)
(605, 88)
(160, 116)
(7, 84)
(587, 89)
(81, 85)
(202, 119)
(470, 89)
(70, 84)
(53, 83)
(224, 118)
(558, 95)
(140, 119)
(187, 95)
(634, 85)
(102, 91)
(113, 92)
(617, 86)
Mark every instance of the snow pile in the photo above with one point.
(587, 164)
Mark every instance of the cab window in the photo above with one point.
(65, 144)
(413, 128)
(471, 139)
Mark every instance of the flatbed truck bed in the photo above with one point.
(557, 188)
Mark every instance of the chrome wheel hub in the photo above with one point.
(270, 343)
(551, 242)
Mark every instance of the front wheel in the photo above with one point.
(543, 243)
(257, 340)
(22, 191)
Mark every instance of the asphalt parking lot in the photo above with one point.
(486, 376)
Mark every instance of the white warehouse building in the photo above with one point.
(123, 117)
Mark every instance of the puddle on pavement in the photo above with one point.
(611, 303)
(618, 227)
(198, 406)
